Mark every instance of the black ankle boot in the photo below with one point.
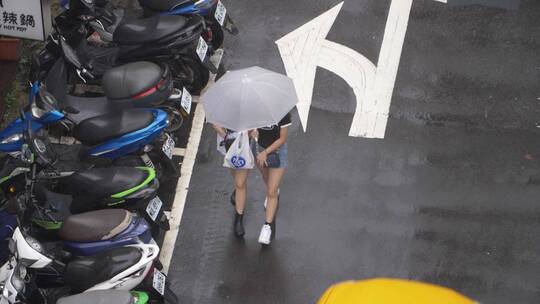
(239, 225)
(273, 226)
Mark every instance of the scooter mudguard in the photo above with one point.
(229, 26)
(11, 138)
(138, 230)
(134, 141)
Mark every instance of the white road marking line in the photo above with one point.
(300, 53)
(179, 151)
(371, 122)
(305, 48)
(182, 187)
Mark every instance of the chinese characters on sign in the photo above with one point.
(22, 20)
(25, 18)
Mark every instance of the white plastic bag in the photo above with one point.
(222, 149)
(240, 155)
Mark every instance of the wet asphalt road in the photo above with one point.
(450, 196)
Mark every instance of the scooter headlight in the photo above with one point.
(34, 244)
(12, 138)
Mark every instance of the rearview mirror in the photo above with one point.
(69, 54)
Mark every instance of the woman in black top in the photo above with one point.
(272, 160)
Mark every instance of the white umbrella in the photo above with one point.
(248, 99)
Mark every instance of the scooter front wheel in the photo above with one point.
(175, 118)
(191, 73)
(217, 33)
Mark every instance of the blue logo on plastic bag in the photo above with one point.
(238, 161)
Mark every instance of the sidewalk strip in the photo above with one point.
(182, 188)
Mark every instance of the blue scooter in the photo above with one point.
(114, 137)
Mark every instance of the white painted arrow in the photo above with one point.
(306, 48)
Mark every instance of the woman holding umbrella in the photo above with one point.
(249, 99)
(272, 161)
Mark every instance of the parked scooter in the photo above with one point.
(122, 268)
(69, 188)
(33, 274)
(215, 15)
(89, 189)
(132, 85)
(173, 40)
(106, 139)
(214, 12)
(86, 233)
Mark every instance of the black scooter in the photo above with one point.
(216, 17)
(134, 85)
(173, 40)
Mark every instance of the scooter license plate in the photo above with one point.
(202, 49)
(153, 208)
(168, 146)
(158, 282)
(221, 13)
(186, 100)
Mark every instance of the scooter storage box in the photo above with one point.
(138, 84)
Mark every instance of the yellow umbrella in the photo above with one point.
(391, 291)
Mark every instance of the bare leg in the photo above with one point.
(264, 173)
(240, 185)
(274, 179)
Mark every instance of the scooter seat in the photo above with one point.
(163, 5)
(99, 297)
(98, 184)
(99, 129)
(148, 30)
(84, 273)
(131, 79)
(95, 226)
(138, 84)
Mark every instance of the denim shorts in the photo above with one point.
(283, 153)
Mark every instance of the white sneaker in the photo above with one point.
(266, 234)
(266, 199)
